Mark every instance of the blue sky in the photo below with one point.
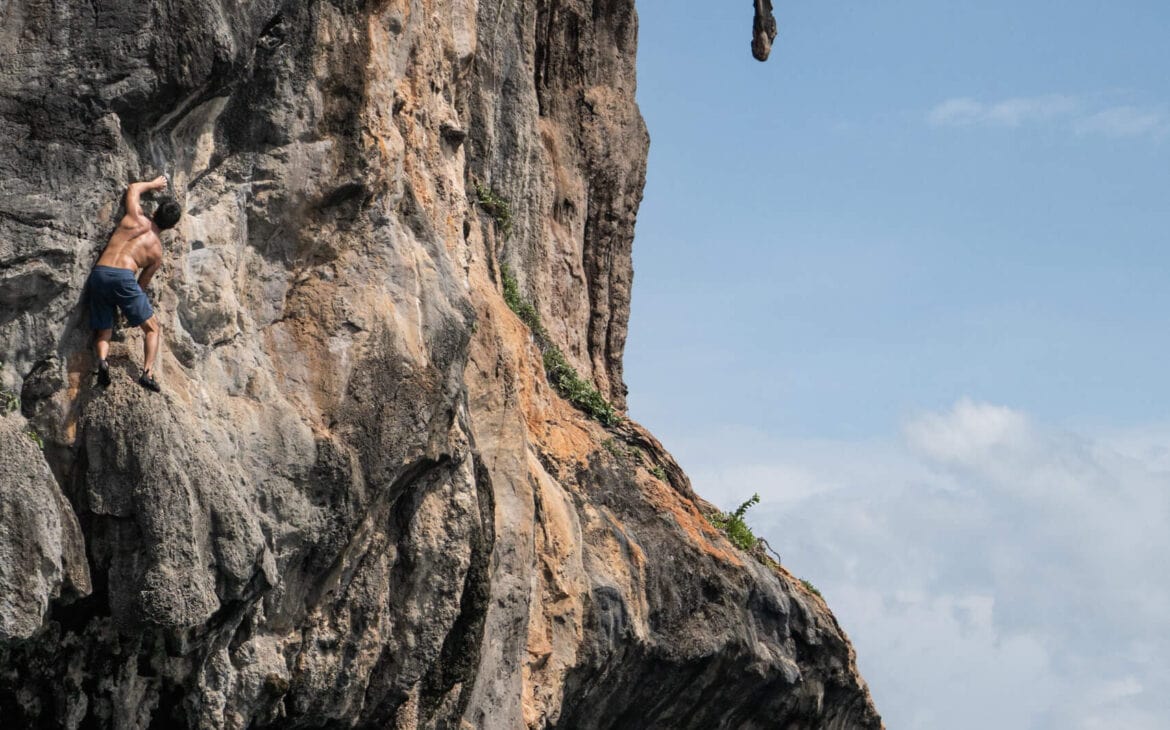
(837, 258)
(909, 281)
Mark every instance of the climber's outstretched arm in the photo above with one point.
(135, 191)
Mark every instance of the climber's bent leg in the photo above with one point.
(102, 343)
(150, 345)
(102, 346)
(151, 329)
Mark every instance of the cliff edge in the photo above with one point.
(360, 500)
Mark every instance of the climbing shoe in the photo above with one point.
(103, 373)
(148, 382)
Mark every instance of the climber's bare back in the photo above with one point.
(134, 245)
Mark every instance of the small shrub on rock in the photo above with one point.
(496, 206)
(563, 376)
(732, 524)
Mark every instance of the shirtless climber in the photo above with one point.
(135, 245)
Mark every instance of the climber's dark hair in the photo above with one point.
(167, 214)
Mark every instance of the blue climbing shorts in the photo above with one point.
(109, 287)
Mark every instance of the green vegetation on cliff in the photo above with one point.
(732, 524)
(563, 376)
(496, 206)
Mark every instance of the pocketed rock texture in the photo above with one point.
(358, 502)
(763, 29)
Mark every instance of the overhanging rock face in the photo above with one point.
(358, 501)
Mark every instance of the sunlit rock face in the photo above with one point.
(358, 501)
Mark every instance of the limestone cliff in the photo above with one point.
(359, 501)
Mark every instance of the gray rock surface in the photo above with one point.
(358, 502)
(763, 29)
(42, 552)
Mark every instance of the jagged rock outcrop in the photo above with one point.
(42, 555)
(358, 501)
(763, 29)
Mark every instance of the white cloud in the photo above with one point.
(1006, 113)
(970, 432)
(956, 112)
(992, 571)
(1125, 121)
(1081, 115)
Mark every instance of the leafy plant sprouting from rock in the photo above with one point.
(496, 206)
(634, 457)
(563, 376)
(735, 528)
(9, 401)
(521, 306)
(619, 451)
(732, 524)
(575, 389)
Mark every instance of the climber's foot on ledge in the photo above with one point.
(148, 382)
(103, 374)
